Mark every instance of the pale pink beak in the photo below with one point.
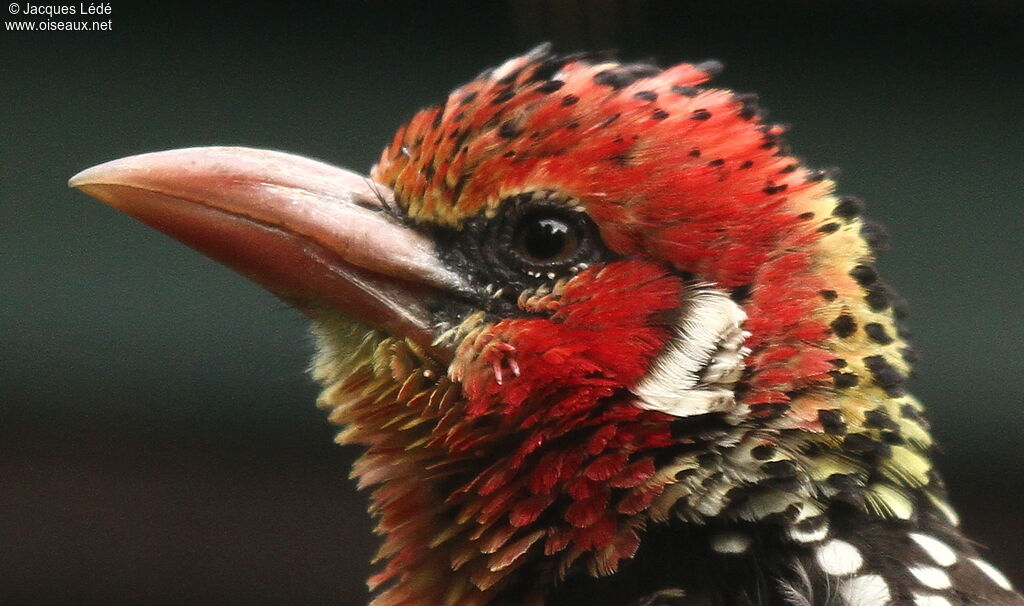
(313, 234)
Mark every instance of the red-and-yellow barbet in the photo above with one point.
(623, 348)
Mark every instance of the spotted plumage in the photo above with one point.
(646, 152)
(663, 371)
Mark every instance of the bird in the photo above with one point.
(603, 339)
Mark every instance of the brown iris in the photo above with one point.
(542, 239)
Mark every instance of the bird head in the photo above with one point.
(574, 301)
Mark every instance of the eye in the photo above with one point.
(542, 238)
(532, 238)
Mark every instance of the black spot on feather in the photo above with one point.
(507, 130)
(711, 67)
(876, 332)
(878, 297)
(503, 97)
(864, 274)
(550, 86)
(885, 376)
(616, 78)
(858, 442)
(832, 422)
(844, 380)
(763, 452)
(876, 235)
(546, 69)
(844, 325)
(879, 418)
(749, 109)
(848, 207)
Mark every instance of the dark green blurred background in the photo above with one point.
(158, 436)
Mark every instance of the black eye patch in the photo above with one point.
(533, 238)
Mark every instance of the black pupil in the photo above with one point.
(547, 239)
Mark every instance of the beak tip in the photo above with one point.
(90, 176)
(90, 183)
(79, 179)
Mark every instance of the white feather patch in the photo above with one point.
(699, 367)
(865, 590)
(993, 573)
(940, 552)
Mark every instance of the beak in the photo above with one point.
(312, 234)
